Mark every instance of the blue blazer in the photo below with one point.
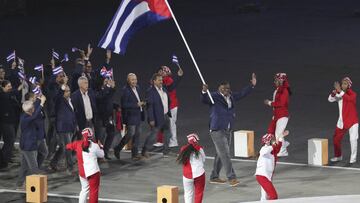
(220, 115)
(65, 116)
(29, 132)
(155, 108)
(132, 114)
(78, 103)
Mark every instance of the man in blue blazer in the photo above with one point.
(84, 102)
(222, 116)
(158, 111)
(133, 113)
(29, 142)
(65, 127)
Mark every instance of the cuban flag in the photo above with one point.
(21, 75)
(37, 90)
(32, 80)
(131, 16)
(55, 54)
(103, 72)
(175, 60)
(11, 56)
(57, 70)
(66, 58)
(39, 67)
(109, 73)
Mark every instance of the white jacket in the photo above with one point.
(195, 166)
(90, 159)
(266, 163)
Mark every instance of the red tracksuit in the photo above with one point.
(348, 117)
(280, 106)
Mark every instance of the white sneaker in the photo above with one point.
(336, 159)
(352, 161)
(158, 144)
(283, 154)
(173, 144)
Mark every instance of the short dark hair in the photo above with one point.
(224, 83)
(4, 83)
(155, 76)
(28, 95)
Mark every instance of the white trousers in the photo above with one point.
(85, 188)
(188, 190)
(173, 140)
(354, 135)
(279, 130)
(263, 194)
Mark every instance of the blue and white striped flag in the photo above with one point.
(32, 80)
(37, 90)
(39, 67)
(57, 70)
(109, 73)
(175, 60)
(66, 58)
(131, 16)
(21, 75)
(55, 54)
(11, 56)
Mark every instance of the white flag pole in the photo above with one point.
(188, 48)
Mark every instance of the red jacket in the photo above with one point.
(77, 147)
(349, 112)
(280, 103)
(167, 80)
(347, 108)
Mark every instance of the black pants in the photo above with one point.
(8, 136)
(133, 132)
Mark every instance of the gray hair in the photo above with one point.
(82, 78)
(27, 106)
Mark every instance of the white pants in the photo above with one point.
(85, 188)
(279, 130)
(263, 194)
(354, 135)
(188, 190)
(173, 140)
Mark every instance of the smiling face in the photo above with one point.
(132, 80)
(225, 89)
(158, 81)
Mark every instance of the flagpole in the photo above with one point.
(188, 48)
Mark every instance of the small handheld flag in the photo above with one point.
(55, 54)
(57, 70)
(21, 64)
(103, 71)
(175, 60)
(39, 67)
(32, 80)
(37, 90)
(109, 73)
(11, 56)
(21, 75)
(66, 58)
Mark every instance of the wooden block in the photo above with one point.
(318, 152)
(244, 143)
(167, 194)
(36, 188)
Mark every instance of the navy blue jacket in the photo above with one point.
(155, 108)
(78, 103)
(29, 130)
(65, 115)
(40, 121)
(220, 115)
(132, 114)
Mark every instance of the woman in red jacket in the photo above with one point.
(348, 118)
(280, 105)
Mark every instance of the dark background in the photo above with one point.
(315, 41)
